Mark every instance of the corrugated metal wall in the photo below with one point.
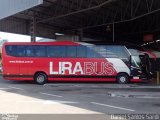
(10, 7)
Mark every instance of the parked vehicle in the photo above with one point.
(73, 61)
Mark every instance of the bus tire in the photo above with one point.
(40, 78)
(122, 78)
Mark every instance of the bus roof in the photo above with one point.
(43, 43)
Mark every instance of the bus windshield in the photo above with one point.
(136, 61)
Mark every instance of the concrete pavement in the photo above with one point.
(77, 98)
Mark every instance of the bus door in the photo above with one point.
(140, 66)
(145, 64)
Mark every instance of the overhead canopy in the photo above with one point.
(94, 18)
(11, 7)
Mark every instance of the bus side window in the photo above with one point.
(30, 51)
(56, 51)
(116, 51)
(92, 53)
(62, 51)
(71, 51)
(81, 52)
(20, 51)
(10, 50)
(111, 51)
(40, 51)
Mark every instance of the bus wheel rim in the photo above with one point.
(122, 79)
(40, 79)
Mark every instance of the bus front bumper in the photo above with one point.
(142, 78)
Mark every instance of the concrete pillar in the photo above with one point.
(158, 77)
(80, 34)
(113, 33)
(33, 29)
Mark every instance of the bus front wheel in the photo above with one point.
(122, 78)
(40, 78)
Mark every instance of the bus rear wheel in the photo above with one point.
(40, 78)
(122, 78)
